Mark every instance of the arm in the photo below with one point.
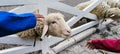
(112, 45)
(11, 23)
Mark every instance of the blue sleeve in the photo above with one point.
(11, 23)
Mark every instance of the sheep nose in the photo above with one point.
(68, 31)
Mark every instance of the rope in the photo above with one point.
(36, 35)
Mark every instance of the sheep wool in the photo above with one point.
(32, 33)
(113, 3)
(103, 10)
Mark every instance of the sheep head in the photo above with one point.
(55, 25)
(113, 13)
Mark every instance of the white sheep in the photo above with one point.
(103, 10)
(113, 3)
(54, 25)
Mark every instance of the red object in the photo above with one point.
(112, 45)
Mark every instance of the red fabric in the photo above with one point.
(112, 45)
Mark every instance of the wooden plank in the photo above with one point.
(13, 39)
(18, 2)
(44, 45)
(92, 5)
(84, 27)
(24, 2)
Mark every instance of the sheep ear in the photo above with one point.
(117, 7)
(45, 29)
(112, 15)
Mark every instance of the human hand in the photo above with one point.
(39, 17)
(90, 45)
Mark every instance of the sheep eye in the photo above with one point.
(53, 22)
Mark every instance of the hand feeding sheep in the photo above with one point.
(54, 25)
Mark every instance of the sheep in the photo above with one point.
(113, 3)
(103, 10)
(54, 24)
(106, 9)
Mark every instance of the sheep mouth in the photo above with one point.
(66, 35)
